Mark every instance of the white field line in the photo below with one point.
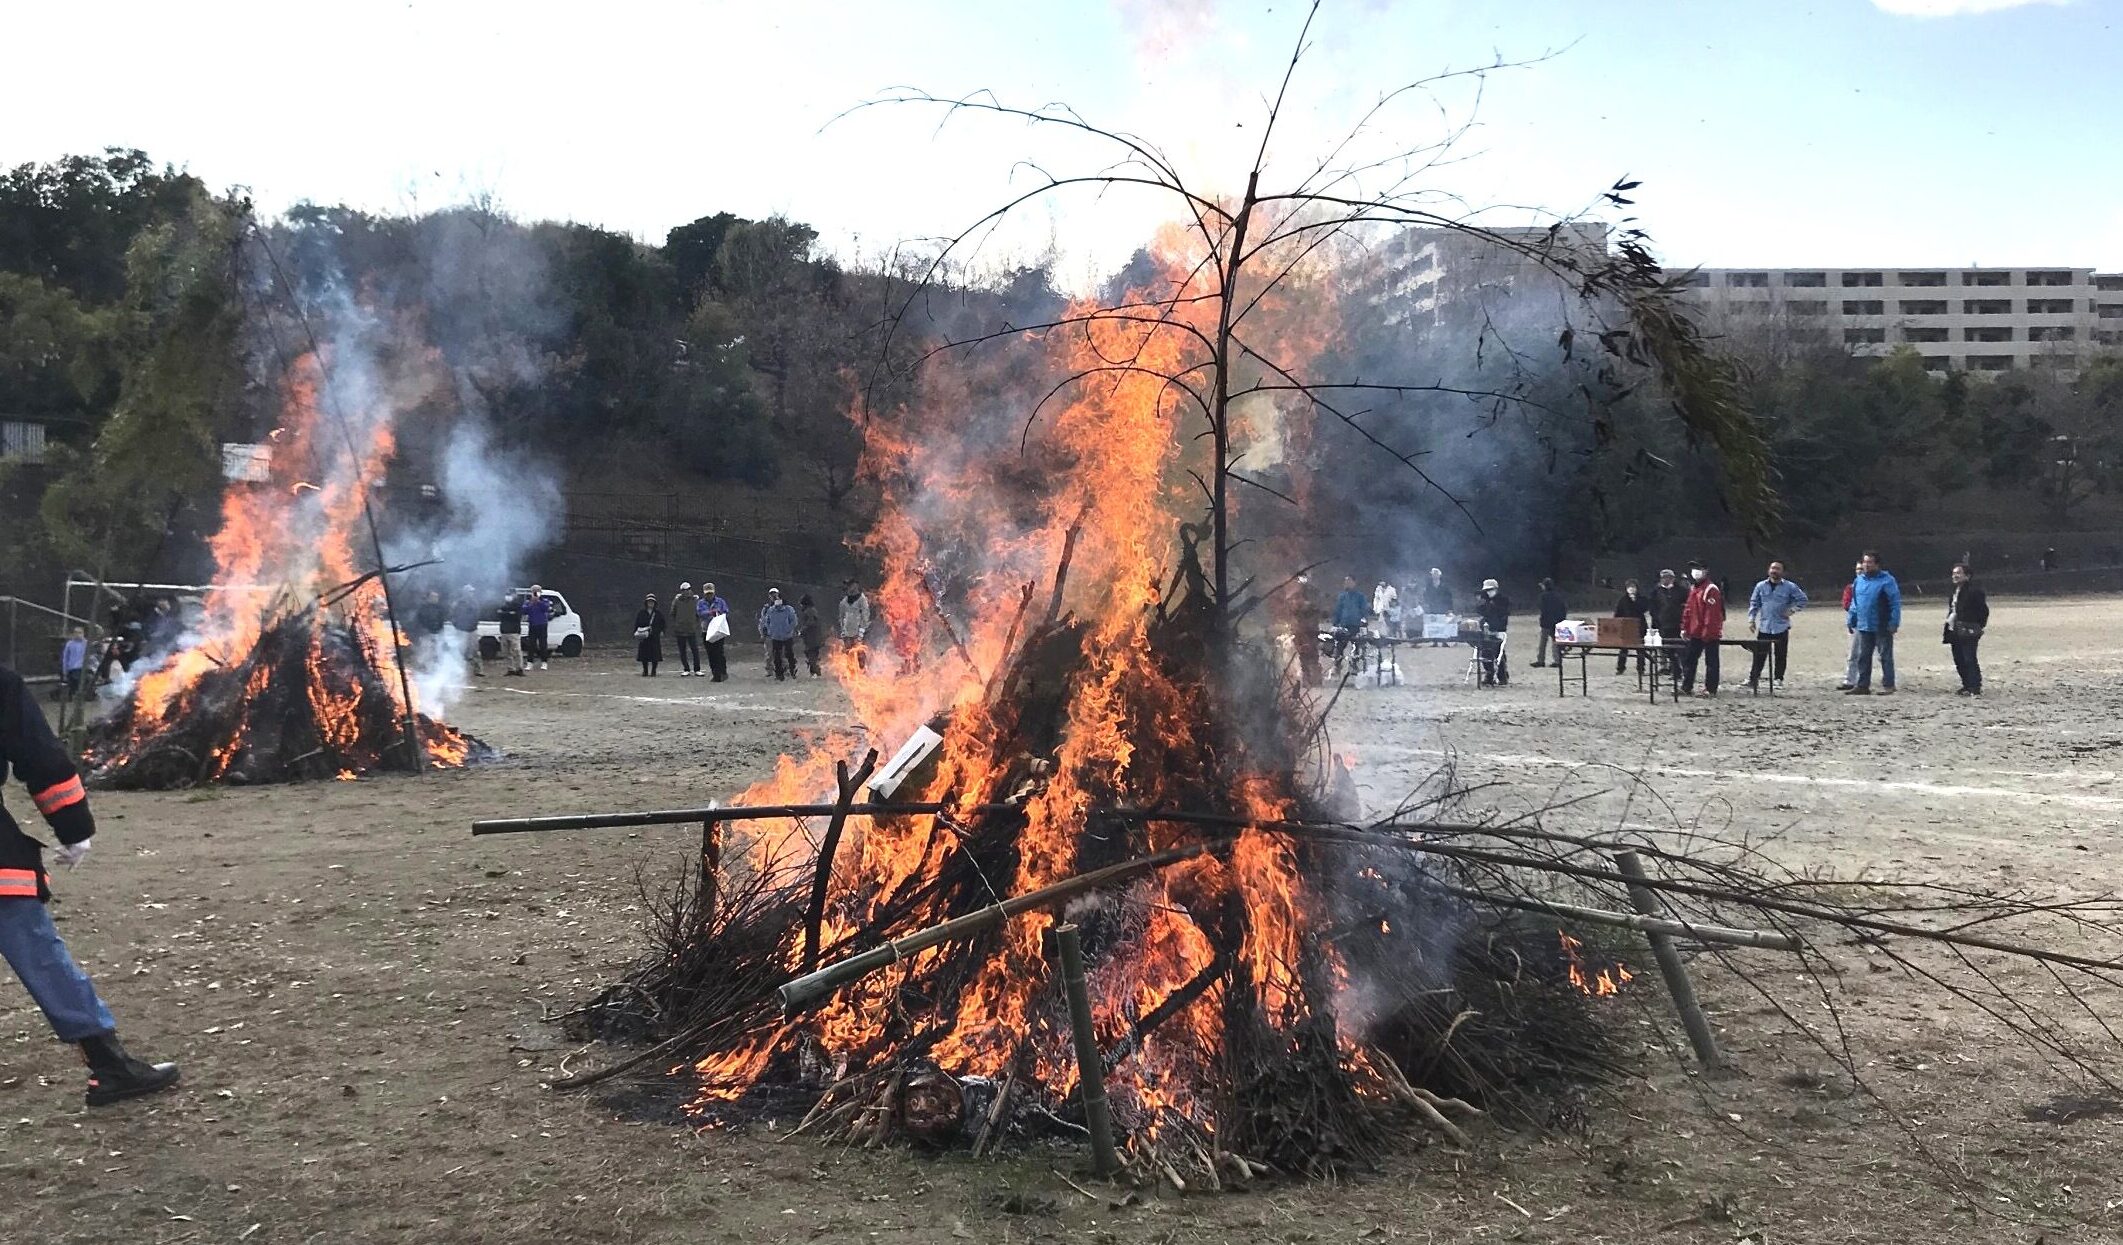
(1877, 786)
(705, 702)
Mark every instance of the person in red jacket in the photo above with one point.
(28, 940)
(1702, 626)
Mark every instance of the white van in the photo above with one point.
(563, 633)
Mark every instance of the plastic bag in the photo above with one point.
(718, 628)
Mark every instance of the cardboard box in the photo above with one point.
(1573, 631)
(1620, 632)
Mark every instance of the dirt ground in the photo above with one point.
(354, 985)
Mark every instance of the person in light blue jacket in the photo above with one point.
(1769, 612)
(1875, 615)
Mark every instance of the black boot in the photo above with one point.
(114, 1076)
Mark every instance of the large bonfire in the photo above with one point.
(291, 671)
(1261, 997)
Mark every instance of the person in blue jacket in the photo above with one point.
(1769, 610)
(1349, 611)
(1875, 615)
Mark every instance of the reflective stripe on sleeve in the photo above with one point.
(18, 883)
(60, 795)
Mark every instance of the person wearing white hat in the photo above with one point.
(685, 629)
(1437, 598)
(1494, 608)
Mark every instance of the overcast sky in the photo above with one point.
(1771, 134)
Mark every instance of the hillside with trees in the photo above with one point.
(722, 370)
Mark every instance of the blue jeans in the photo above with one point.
(31, 946)
(1870, 642)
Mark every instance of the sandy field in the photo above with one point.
(355, 985)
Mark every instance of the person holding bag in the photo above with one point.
(714, 615)
(648, 636)
(1967, 614)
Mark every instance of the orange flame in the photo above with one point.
(1601, 983)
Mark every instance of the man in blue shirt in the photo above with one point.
(1875, 615)
(1769, 613)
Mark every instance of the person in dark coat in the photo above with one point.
(28, 940)
(1632, 604)
(509, 620)
(648, 636)
(1668, 599)
(812, 629)
(1967, 614)
(1494, 609)
(1553, 610)
(709, 608)
(686, 628)
(1437, 597)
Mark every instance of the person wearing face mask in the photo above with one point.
(1631, 605)
(1769, 611)
(1702, 626)
(1967, 614)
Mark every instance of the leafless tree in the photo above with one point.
(1249, 247)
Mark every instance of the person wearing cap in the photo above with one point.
(1494, 609)
(1702, 626)
(685, 628)
(778, 626)
(648, 636)
(537, 614)
(708, 609)
(1668, 600)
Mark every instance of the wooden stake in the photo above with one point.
(710, 871)
(1090, 1063)
(823, 875)
(1670, 966)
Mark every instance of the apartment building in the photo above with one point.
(1417, 274)
(1963, 319)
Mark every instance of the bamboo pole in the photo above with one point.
(808, 990)
(1090, 1064)
(1670, 966)
(1726, 935)
(735, 812)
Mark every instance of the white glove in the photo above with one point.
(72, 854)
